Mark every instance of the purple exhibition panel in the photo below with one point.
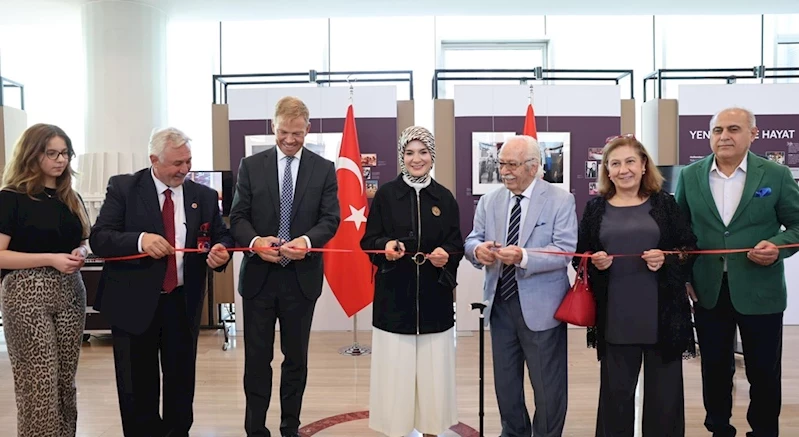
(778, 139)
(377, 139)
(587, 135)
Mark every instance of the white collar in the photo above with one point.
(527, 193)
(281, 155)
(160, 187)
(742, 165)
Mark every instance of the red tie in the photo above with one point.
(168, 215)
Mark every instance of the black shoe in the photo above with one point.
(292, 434)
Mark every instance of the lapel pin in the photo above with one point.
(194, 205)
(436, 211)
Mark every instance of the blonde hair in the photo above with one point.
(23, 173)
(290, 108)
(651, 180)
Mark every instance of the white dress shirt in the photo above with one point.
(727, 192)
(524, 205)
(281, 168)
(180, 221)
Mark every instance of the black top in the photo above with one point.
(410, 299)
(632, 287)
(44, 225)
(675, 331)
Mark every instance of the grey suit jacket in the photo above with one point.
(551, 225)
(256, 212)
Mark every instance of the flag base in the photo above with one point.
(355, 350)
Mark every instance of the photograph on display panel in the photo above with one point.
(326, 145)
(485, 160)
(555, 150)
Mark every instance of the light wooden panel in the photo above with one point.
(659, 125)
(339, 384)
(627, 116)
(444, 129)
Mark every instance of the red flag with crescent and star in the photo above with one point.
(350, 274)
(529, 123)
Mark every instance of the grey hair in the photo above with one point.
(750, 116)
(170, 136)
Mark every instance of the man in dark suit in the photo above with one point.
(737, 200)
(280, 279)
(154, 303)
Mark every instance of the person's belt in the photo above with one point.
(178, 288)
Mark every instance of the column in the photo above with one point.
(125, 62)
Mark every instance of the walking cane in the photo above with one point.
(481, 306)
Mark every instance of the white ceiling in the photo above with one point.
(227, 10)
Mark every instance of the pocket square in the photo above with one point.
(763, 192)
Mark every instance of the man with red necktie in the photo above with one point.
(154, 303)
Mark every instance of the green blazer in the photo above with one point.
(769, 201)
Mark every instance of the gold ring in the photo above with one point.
(417, 256)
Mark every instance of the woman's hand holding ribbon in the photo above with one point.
(654, 259)
(395, 250)
(601, 260)
(438, 257)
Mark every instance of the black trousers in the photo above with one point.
(280, 299)
(170, 340)
(761, 336)
(664, 400)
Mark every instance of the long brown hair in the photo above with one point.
(651, 180)
(23, 173)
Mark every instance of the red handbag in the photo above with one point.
(578, 306)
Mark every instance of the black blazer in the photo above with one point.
(256, 212)
(129, 291)
(407, 300)
(675, 329)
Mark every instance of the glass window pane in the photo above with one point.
(258, 47)
(485, 57)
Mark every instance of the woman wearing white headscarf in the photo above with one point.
(416, 220)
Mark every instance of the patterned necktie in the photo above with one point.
(168, 215)
(508, 286)
(286, 198)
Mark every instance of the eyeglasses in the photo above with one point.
(616, 137)
(54, 154)
(512, 166)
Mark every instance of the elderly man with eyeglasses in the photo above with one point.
(524, 289)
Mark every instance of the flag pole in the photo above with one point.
(355, 349)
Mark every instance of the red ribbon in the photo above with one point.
(547, 252)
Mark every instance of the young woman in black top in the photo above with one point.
(43, 228)
(413, 343)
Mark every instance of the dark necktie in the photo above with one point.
(168, 215)
(508, 286)
(286, 198)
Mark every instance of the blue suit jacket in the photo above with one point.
(550, 224)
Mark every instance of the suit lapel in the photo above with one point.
(191, 206)
(703, 182)
(534, 208)
(501, 214)
(272, 176)
(754, 174)
(303, 176)
(149, 197)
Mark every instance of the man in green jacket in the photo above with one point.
(737, 200)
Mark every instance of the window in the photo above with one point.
(695, 42)
(787, 56)
(489, 55)
(394, 43)
(250, 47)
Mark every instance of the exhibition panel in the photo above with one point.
(572, 124)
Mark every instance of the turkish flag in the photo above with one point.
(350, 274)
(529, 123)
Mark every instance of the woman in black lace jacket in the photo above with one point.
(643, 312)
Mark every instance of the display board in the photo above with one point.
(573, 122)
(775, 108)
(375, 109)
